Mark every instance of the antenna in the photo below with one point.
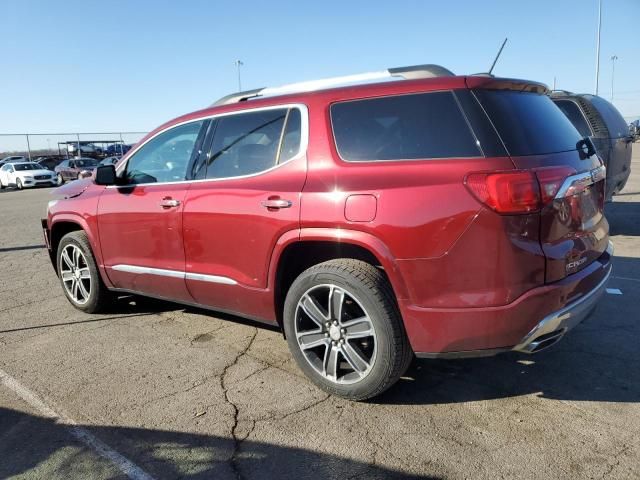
(498, 55)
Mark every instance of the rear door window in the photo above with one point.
(574, 114)
(528, 123)
(402, 127)
(246, 143)
(291, 137)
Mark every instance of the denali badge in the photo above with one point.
(575, 264)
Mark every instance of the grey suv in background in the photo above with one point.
(598, 119)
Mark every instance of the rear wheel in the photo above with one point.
(344, 329)
(79, 274)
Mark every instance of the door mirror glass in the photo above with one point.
(105, 175)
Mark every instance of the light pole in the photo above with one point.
(238, 64)
(598, 44)
(613, 71)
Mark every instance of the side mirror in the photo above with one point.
(105, 175)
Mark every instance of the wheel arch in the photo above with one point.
(296, 253)
(60, 225)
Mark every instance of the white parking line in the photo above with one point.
(123, 464)
(626, 278)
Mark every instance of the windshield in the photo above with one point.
(26, 166)
(528, 123)
(88, 162)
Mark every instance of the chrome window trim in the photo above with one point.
(174, 274)
(304, 143)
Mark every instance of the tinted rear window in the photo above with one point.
(403, 127)
(528, 123)
(574, 114)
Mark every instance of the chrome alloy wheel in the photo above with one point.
(335, 334)
(75, 274)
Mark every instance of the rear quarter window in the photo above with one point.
(574, 114)
(402, 127)
(528, 123)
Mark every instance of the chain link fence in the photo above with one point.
(31, 145)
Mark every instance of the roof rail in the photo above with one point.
(406, 73)
(560, 92)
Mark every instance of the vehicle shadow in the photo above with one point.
(28, 441)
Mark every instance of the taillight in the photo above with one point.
(518, 191)
(551, 179)
(506, 192)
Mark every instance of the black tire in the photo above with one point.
(1, 185)
(18, 184)
(371, 291)
(99, 296)
(60, 180)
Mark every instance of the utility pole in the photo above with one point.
(613, 71)
(238, 64)
(598, 44)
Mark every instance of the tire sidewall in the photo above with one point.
(19, 184)
(384, 333)
(72, 239)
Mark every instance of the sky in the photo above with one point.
(97, 66)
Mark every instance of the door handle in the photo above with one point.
(169, 203)
(276, 203)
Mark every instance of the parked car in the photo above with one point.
(117, 149)
(14, 158)
(50, 162)
(86, 148)
(71, 169)
(25, 174)
(109, 160)
(441, 216)
(598, 119)
(634, 129)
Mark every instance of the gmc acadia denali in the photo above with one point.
(435, 215)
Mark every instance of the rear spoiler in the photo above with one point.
(492, 83)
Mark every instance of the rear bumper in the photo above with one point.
(553, 327)
(534, 321)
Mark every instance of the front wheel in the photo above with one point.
(79, 274)
(59, 180)
(344, 329)
(19, 184)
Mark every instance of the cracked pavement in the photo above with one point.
(185, 393)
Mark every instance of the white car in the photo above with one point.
(25, 174)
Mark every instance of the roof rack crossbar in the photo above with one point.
(406, 73)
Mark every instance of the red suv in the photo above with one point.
(436, 216)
